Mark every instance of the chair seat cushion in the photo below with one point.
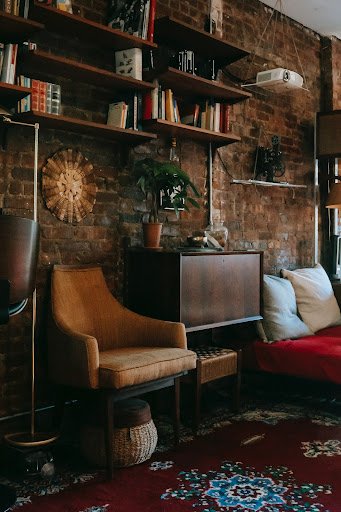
(130, 366)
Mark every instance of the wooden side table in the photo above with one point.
(214, 363)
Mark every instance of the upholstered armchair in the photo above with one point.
(97, 344)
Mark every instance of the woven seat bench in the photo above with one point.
(215, 363)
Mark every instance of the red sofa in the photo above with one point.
(312, 357)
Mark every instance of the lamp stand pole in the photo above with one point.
(32, 438)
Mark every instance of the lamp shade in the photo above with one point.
(19, 242)
(334, 197)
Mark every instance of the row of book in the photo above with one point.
(209, 114)
(127, 113)
(16, 7)
(8, 62)
(62, 5)
(45, 96)
(137, 17)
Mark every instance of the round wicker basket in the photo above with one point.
(132, 444)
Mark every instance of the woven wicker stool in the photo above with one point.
(135, 435)
(214, 363)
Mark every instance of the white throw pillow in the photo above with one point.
(315, 298)
(280, 319)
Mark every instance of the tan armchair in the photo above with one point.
(95, 343)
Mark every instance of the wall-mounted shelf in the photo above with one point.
(86, 127)
(10, 94)
(191, 132)
(189, 85)
(177, 34)
(266, 183)
(14, 29)
(39, 63)
(63, 22)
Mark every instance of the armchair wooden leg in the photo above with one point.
(176, 424)
(197, 398)
(109, 432)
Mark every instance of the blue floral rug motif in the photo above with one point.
(237, 487)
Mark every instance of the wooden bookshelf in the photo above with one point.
(180, 35)
(15, 29)
(191, 132)
(63, 22)
(187, 85)
(100, 130)
(38, 64)
(10, 94)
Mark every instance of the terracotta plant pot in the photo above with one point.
(152, 234)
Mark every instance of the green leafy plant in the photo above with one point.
(156, 178)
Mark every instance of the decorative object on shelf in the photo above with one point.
(216, 234)
(268, 161)
(24, 284)
(213, 21)
(69, 186)
(156, 178)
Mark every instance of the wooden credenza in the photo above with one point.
(204, 290)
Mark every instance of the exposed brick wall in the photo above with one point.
(336, 73)
(278, 221)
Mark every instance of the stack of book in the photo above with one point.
(8, 62)
(45, 96)
(136, 17)
(209, 114)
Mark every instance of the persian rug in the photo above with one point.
(275, 455)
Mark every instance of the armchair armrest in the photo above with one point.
(143, 330)
(73, 358)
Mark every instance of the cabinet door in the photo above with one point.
(220, 289)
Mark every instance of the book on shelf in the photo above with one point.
(169, 105)
(56, 106)
(63, 5)
(15, 7)
(44, 97)
(147, 106)
(117, 114)
(129, 62)
(24, 105)
(190, 114)
(151, 22)
(9, 60)
(136, 17)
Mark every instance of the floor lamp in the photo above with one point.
(31, 438)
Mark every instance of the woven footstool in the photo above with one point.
(214, 363)
(135, 436)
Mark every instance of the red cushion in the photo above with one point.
(313, 357)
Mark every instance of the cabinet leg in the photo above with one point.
(237, 383)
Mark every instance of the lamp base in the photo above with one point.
(28, 440)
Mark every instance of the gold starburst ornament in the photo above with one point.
(69, 187)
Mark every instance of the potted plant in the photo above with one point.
(166, 179)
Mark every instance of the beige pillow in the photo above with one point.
(315, 298)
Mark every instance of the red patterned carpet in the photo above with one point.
(294, 466)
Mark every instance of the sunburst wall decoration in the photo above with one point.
(69, 187)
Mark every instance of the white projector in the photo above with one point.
(279, 79)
